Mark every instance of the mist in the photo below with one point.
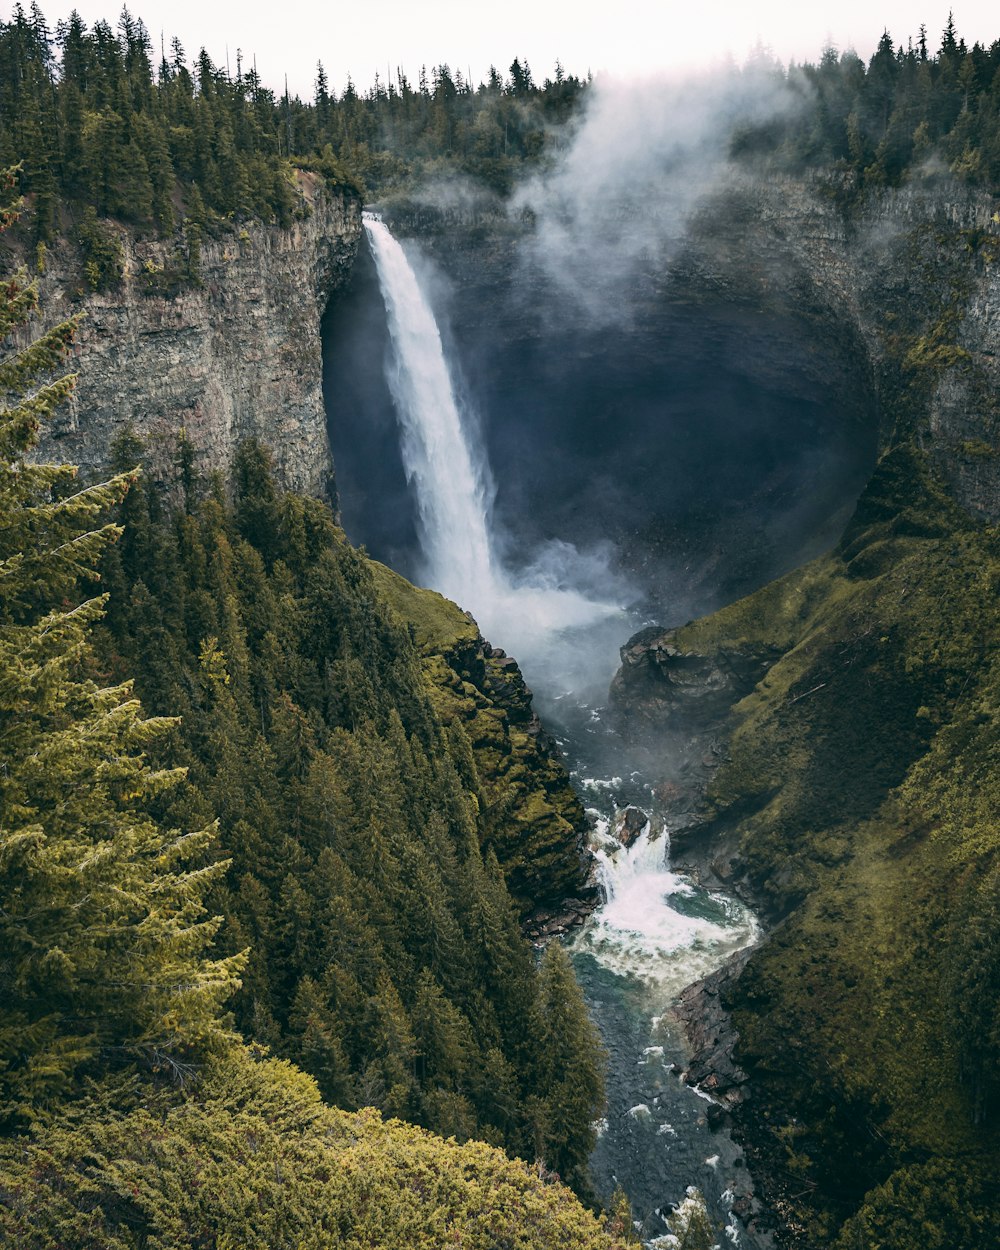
(615, 206)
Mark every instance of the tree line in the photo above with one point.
(100, 120)
(105, 125)
(908, 112)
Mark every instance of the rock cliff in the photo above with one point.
(911, 274)
(237, 355)
(851, 708)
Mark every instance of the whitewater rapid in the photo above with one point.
(656, 926)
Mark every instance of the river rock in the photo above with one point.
(629, 824)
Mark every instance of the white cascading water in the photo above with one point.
(450, 493)
(449, 482)
(656, 926)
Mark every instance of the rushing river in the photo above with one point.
(656, 931)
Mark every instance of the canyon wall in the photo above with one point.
(830, 744)
(915, 271)
(234, 355)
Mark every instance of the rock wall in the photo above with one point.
(238, 355)
(909, 281)
(927, 253)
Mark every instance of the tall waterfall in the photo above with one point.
(450, 492)
(450, 479)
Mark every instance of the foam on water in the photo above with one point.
(656, 926)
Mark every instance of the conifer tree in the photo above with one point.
(570, 1056)
(102, 929)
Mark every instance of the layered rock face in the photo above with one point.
(236, 356)
(909, 282)
(679, 422)
(919, 263)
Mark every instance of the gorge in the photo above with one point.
(789, 255)
(685, 399)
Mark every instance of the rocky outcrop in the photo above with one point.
(709, 1027)
(237, 354)
(629, 824)
(663, 682)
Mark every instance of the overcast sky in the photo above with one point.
(626, 37)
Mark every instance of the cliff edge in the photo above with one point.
(233, 354)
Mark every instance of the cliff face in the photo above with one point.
(912, 275)
(237, 356)
(693, 426)
(851, 709)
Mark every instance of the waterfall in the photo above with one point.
(449, 477)
(450, 492)
(656, 925)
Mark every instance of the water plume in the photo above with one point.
(523, 610)
(656, 926)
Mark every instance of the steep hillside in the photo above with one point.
(254, 1158)
(853, 788)
(382, 789)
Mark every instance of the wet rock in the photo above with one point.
(717, 1117)
(629, 824)
(713, 1038)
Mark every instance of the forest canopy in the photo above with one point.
(106, 125)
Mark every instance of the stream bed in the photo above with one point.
(656, 933)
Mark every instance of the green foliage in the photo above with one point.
(101, 252)
(385, 949)
(908, 114)
(255, 1160)
(96, 126)
(569, 1061)
(940, 1205)
(690, 1225)
(103, 926)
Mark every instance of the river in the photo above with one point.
(656, 931)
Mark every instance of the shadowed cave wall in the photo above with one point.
(715, 440)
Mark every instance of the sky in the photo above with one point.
(626, 38)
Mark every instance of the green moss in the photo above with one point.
(439, 626)
(862, 784)
(976, 449)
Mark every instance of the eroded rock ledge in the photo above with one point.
(237, 356)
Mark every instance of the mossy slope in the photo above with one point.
(536, 823)
(862, 789)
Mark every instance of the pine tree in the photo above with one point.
(103, 929)
(570, 1062)
(690, 1225)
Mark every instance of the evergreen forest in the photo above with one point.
(106, 125)
(273, 821)
(252, 815)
